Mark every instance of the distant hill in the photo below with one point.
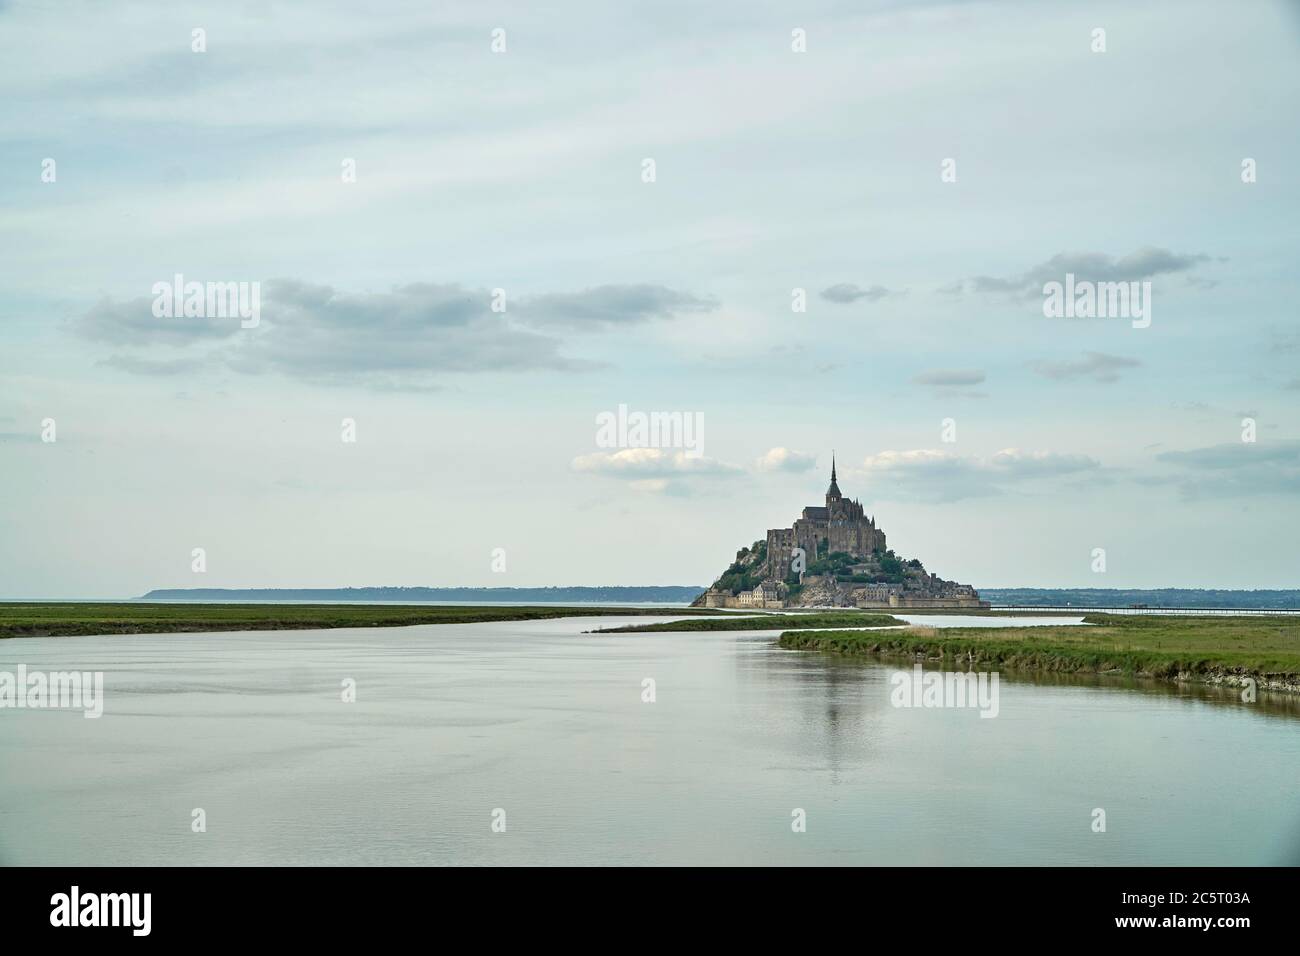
(1157, 597)
(573, 595)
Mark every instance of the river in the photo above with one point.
(543, 729)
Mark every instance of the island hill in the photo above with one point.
(833, 556)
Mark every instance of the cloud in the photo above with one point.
(612, 305)
(1235, 469)
(783, 459)
(404, 336)
(846, 292)
(1284, 340)
(1098, 366)
(1014, 464)
(1087, 266)
(650, 463)
(655, 470)
(405, 339)
(132, 322)
(940, 476)
(950, 377)
(1236, 455)
(145, 366)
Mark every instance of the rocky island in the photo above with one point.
(834, 555)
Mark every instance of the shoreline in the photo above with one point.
(1032, 651)
(87, 620)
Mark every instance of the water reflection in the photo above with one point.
(536, 717)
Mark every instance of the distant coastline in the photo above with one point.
(668, 594)
(1275, 599)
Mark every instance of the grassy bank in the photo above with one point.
(1208, 649)
(762, 622)
(59, 620)
(985, 612)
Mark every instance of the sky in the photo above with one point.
(475, 229)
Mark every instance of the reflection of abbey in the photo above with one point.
(833, 556)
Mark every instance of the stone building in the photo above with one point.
(767, 594)
(839, 525)
(764, 575)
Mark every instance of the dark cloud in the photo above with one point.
(399, 340)
(950, 377)
(846, 292)
(1235, 470)
(132, 322)
(395, 339)
(1236, 455)
(611, 305)
(1087, 266)
(1098, 366)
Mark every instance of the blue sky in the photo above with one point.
(522, 171)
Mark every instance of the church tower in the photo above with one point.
(833, 492)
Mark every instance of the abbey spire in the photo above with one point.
(833, 492)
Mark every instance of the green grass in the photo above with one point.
(58, 620)
(1157, 646)
(764, 622)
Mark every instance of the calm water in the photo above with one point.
(547, 723)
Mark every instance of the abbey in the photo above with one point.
(833, 555)
(839, 526)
